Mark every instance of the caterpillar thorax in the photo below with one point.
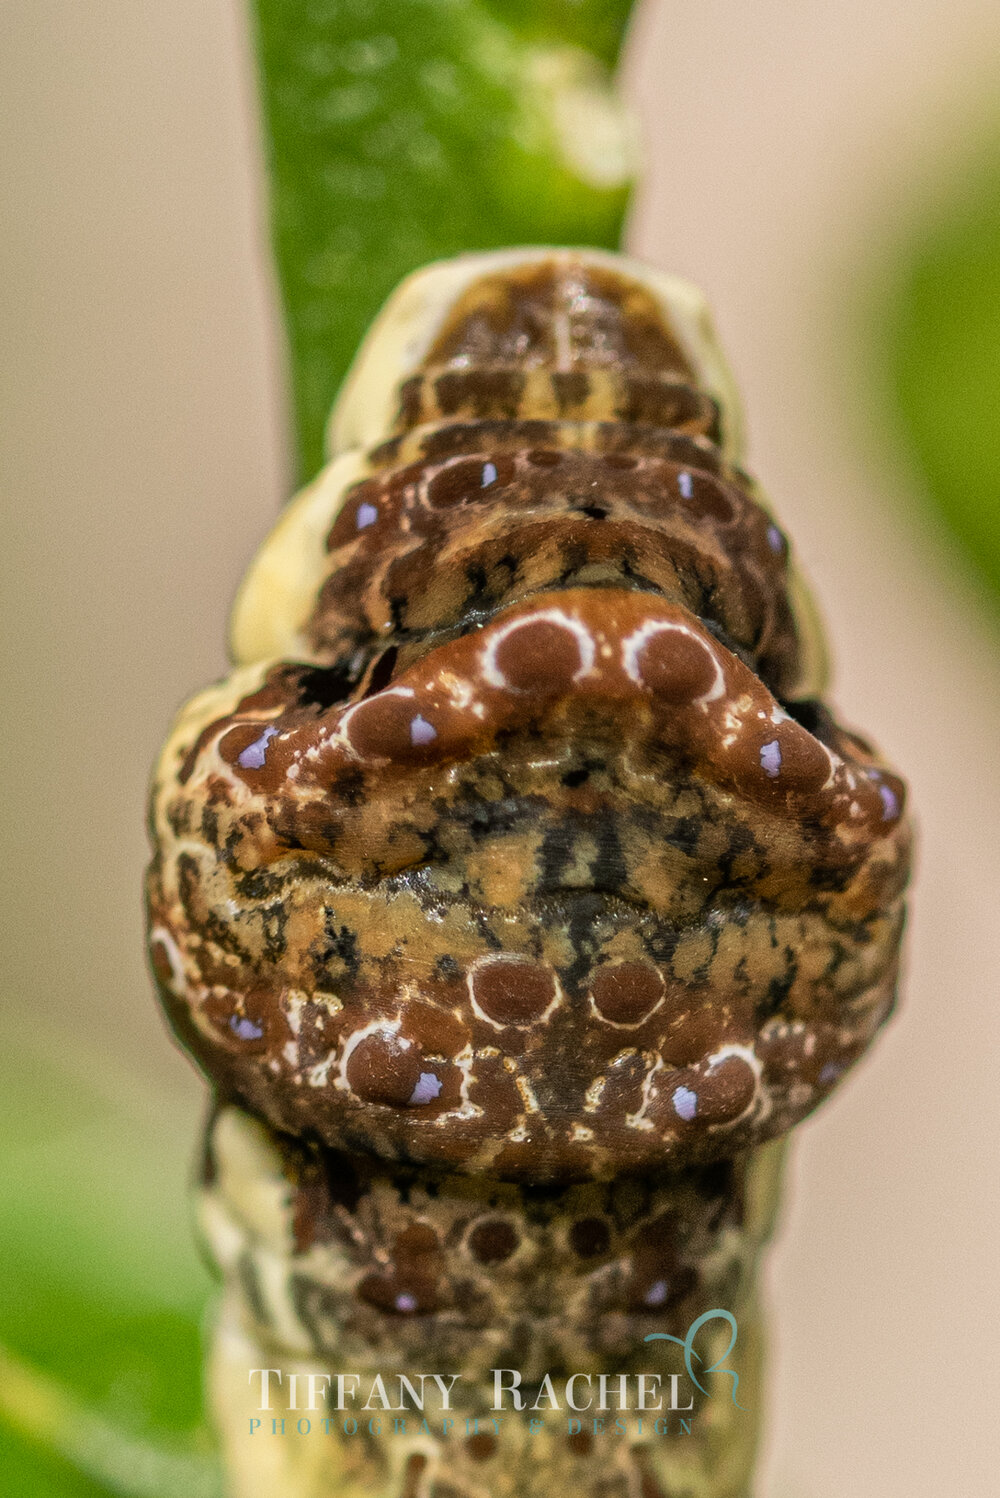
(516, 842)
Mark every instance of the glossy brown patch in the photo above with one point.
(675, 665)
(435, 1031)
(390, 726)
(384, 1069)
(541, 655)
(248, 1022)
(512, 991)
(705, 497)
(697, 1032)
(466, 480)
(626, 993)
(726, 1089)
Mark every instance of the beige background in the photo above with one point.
(141, 460)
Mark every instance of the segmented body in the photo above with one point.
(517, 882)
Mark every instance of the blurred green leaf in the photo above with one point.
(406, 132)
(597, 25)
(103, 1294)
(943, 343)
(102, 1456)
(31, 1471)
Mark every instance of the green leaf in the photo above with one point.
(597, 25)
(33, 1470)
(406, 133)
(103, 1293)
(103, 1456)
(942, 327)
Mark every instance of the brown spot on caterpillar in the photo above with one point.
(792, 761)
(467, 480)
(512, 990)
(659, 1278)
(493, 1241)
(672, 662)
(696, 1032)
(481, 1446)
(435, 1031)
(384, 1068)
(544, 457)
(539, 655)
(590, 1237)
(626, 993)
(411, 1286)
(390, 725)
(726, 1089)
(703, 496)
(248, 1022)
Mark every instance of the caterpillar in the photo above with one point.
(517, 893)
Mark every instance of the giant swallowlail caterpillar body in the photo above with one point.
(517, 894)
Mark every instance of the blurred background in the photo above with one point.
(830, 174)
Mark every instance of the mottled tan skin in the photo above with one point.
(335, 1262)
(535, 872)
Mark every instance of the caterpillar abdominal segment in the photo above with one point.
(517, 892)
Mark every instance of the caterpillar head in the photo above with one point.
(518, 840)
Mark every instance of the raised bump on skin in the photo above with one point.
(555, 651)
(690, 672)
(509, 990)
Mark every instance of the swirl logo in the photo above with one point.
(691, 1355)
